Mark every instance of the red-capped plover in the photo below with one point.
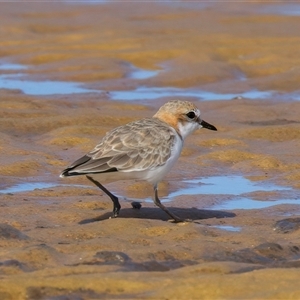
(144, 150)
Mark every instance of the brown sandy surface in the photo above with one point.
(59, 243)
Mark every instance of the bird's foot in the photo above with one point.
(136, 205)
(116, 210)
(179, 220)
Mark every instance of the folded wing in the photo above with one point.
(137, 146)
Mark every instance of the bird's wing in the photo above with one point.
(136, 146)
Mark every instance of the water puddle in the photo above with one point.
(12, 67)
(236, 186)
(19, 81)
(26, 187)
(140, 74)
(225, 185)
(239, 188)
(43, 88)
(150, 93)
(291, 9)
(88, 2)
(200, 5)
(247, 203)
(228, 228)
(47, 87)
(31, 186)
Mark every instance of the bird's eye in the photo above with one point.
(191, 115)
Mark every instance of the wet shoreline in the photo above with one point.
(69, 73)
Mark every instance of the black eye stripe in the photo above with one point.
(191, 115)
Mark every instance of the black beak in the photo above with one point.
(207, 125)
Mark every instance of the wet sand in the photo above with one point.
(59, 242)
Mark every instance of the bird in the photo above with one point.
(145, 149)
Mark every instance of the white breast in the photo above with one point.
(154, 176)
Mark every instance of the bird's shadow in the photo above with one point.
(154, 213)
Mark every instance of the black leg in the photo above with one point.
(114, 199)
(159, 204)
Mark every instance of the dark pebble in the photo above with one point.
(9, 232)
(287, 225)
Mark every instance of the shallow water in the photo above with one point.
(11, 66)
(48, 87)
(236, 186)
(31, 186)
(228, 228)
(290, 9)
(138, 73)
(225, 185)
(26, 187)
(151, 93)
(19, 81)
(43, 88)
(247, 203)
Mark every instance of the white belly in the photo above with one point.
(156, 175)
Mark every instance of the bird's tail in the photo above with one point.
(65, 173)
